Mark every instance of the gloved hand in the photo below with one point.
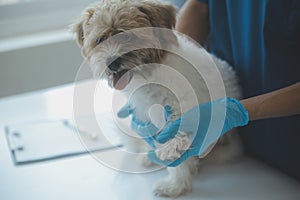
(207, 123)
(145, 129)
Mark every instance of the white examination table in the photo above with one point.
(82, 177)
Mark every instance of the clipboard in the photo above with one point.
(50, 140)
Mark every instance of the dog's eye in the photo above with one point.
(99, 40)
(82, 35)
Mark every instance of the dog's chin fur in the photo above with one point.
(172, 80)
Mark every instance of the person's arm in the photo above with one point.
(193, 20)
(279, 103)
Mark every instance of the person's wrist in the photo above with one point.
(244, 114)
(250, 106)
(236, 114)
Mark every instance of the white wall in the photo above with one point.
(40, 55)
(42, 66)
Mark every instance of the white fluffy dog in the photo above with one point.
(154, 66)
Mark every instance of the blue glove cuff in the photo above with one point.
(243, 119)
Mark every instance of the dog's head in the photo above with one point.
(108, 23)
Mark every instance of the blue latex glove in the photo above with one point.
(207, 123)
(145, 129)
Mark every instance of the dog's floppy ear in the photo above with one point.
(161, 15)
(77, 27)
(78, 30)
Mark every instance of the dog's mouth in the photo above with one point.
(121, 79)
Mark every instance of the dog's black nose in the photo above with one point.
(113, 63)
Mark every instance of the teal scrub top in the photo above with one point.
(261, 40)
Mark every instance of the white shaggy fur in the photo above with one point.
(179, 180)
(161, 78)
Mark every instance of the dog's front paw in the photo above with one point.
(174, 148)
(169, 188)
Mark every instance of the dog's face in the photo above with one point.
(102, 21)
